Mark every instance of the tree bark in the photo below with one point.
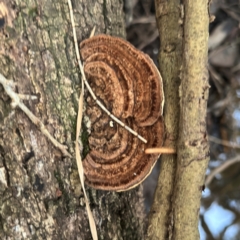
(40, 195)
(168, 14)
(193, 146)
(183, 28)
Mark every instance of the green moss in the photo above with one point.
(33, 12)
(65, 198)
(73, 121)
(59, 180)
(84, 138)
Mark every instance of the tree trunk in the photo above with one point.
(40, 195)
(183, 27)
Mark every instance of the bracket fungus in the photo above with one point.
(129, 85)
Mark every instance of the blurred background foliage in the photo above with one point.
(220, 209)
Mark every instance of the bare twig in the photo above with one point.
(150, 39)
(143, 20)
(16, 101)
(224, 142)
(27, 97)
(221, 168)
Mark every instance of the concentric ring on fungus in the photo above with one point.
(129, 85)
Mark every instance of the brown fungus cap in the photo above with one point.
(129, 85)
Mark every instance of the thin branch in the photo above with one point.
(150, 39)
(224, 142)
(16, 101)
(144, 20)
(221, 168)
(163, 150)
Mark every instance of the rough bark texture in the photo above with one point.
(193, 147)
(42, 198)
(170, 60)
(175, 211)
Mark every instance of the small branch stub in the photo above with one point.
(161, 150)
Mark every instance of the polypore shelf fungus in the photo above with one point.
(129, 85)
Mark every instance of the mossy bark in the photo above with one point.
(40, 195)
(183, 27)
